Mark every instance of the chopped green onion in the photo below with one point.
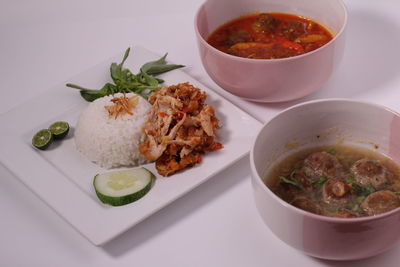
(319, 182)
(291, 181)
(351, 180)
(351, 206)
(361, 190)
(332, 152)
(375, 163)
(360, 199)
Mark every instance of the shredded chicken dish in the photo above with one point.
(180, 128)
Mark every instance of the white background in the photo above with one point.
(44, 42)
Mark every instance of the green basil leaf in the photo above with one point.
(125, 56)
(91, 95)
(109, 89)
(116, 73)
(125, 81)
(150, 64)
(77, 87)
(159, 66)
(158, 69)
(149, 80)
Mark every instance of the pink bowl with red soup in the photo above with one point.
(273, 59)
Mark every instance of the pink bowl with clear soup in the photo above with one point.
(337, 120)
(271, 80)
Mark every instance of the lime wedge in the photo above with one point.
(42, 139)
(59, 129)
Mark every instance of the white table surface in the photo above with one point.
(44, 42)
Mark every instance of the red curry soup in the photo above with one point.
(338, 181)
(269, 36)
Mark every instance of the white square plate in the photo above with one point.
(63, 178)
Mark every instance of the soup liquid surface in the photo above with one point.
(338, 181)
(269, 36)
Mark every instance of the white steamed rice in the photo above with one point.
(111, 142)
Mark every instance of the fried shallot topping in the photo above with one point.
(122, 105)
(180, 127)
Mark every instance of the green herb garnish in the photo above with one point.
(291, 181)
(319, 182)
(292, 174)
(358, 189)
(360, 199)
(331, 152)
(353, 206)
(374, 162)
(351, 180)
(362, 190)
(397, 193)
(125, 81)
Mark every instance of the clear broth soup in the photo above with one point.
(338, 181)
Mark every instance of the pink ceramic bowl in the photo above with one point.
(319, 123)
(271, 80)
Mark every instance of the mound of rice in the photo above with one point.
(109, 141)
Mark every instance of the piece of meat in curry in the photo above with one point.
(180, 128)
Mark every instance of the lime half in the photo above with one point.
(42, 139)
(59, 129)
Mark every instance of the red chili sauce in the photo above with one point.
(269, 36)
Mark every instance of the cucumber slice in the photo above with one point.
(119, 188)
